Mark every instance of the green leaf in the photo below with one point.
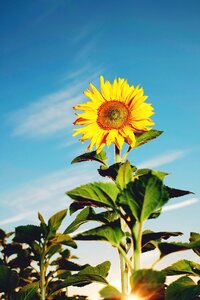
(148, 236)
(55, 221)
(28, 291)
(111, 233)
(195, 237)
(86, 276)
(110, 292)
(143, 197)
(100, 157)
(148, 283)
(174, 193)
(147, 136)
(160, 174)
(168, 248)
(183, 289)
(80, 219)
(2, 235)
(101, 269)
(27, 234)
(124, 175)
(183, 267)
(8, 279)
(100, 194)
(63, 239)
(74, 206)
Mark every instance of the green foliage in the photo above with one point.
(101, 194)
(183, 267)
(143, 197)
(183, 289)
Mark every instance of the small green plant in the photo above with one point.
(37, 263)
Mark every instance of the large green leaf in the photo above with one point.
(150, 239)
(8, 279)
(86, 276)
(28, 291)
(100, 194)
(27, 234)
(111, 233)
(195, 237)
(148, 284)
(183, 289)
(99, 157)
(183, 267)
(110, 292)
(143, 197)
(142, 138)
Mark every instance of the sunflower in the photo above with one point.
(113, 115)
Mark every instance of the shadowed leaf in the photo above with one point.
(183, 289)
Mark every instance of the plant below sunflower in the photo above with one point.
(118, 114)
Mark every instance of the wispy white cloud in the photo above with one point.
(45, 194)
(181, 204)
(51, 113)
(163, 159)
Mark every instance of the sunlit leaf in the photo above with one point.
(100, 194)
(55, 221)
(183, 289)
(183, 267)
(148, 284)
(110, 292)
(111, 233)
(142, 138)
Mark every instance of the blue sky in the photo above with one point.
(50, 50)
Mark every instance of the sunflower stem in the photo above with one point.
(118, 158)
(137, 245)
(126, 153)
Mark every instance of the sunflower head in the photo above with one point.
(113, 115)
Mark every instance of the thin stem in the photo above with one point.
(43, 275)
(126, 153)
(137, 238)
(117, 155)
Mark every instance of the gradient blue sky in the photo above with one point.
(50, 50)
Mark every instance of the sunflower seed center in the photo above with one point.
(112, 115)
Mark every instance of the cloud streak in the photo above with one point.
(162, 159)
(51, 113)
(46, 194)
(181, 204)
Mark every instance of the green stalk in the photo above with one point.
(42, 275)
(137, 245)
(123, 264)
